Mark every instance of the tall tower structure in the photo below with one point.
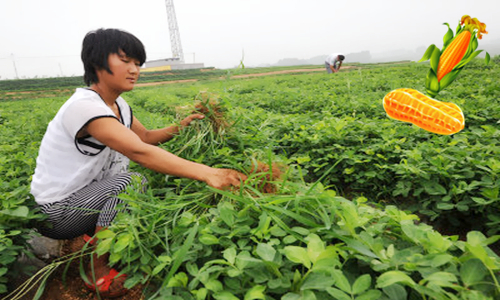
(175, 36)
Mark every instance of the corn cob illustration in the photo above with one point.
(453, 54)
(457, 51)
(409, 105)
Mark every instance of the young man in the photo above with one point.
(83, 160)
(333, 62)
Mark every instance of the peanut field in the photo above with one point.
(342, 202)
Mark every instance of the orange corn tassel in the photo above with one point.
(453, 54)
(411, 106)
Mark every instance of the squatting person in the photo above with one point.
(82, 164)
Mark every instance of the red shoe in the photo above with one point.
(102, 285)
(89, 239)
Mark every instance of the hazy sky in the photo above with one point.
(43, 37)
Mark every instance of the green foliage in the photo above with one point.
(21, 130)
(292, 245)
(307, 240)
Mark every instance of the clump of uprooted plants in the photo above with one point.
(265, 178)
(210, 105)
(202, 138)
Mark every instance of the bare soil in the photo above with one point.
(70, 286)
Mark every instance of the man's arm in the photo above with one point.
(113, 134)
(159, 136)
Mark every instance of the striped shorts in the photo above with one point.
(93, 205)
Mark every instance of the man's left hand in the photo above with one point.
(191, 118)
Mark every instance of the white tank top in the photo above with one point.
(65, 163)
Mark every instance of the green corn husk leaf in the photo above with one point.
(459, 28)
(471, 48)
(435, 59)
(432, 83)
(487, 58)
(448, 79)
(431, 94)
(466, 60)
(474, 43)
(428, 53)
(448, 37)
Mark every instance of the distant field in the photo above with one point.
(340, 200)
(9, 89)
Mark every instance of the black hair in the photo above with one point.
(99, 44)
(341, 57)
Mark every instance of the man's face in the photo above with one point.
(125, 72)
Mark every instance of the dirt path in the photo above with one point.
(243, 76)
(278, 72)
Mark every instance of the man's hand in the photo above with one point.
(221, 178)
(187, 120)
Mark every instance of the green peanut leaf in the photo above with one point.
(103, 246)
(361, 284)
(230, 255)
(256, 292)
(105, 234)
(298, 255)
(317, 281)
(315, 247)
(158, 268)
(395, 292)
(290, 296)
(225, 296)
(308, 295)
(21, 212)
(445, 206)
(214, 285)
(441, 278)
(201, 294)
(227, 213)
(487, 58)
(208, 239)
(472, 271)
(392, 277)
(327, 260)
(338, 294)
(123, 242)
(434, 188)
(341, 281)
(266, 251)
(371, 295)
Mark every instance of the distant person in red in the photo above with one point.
(82, 164)
(333, 62)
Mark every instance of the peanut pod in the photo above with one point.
(411, 106)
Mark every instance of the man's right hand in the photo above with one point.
(222, 178)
